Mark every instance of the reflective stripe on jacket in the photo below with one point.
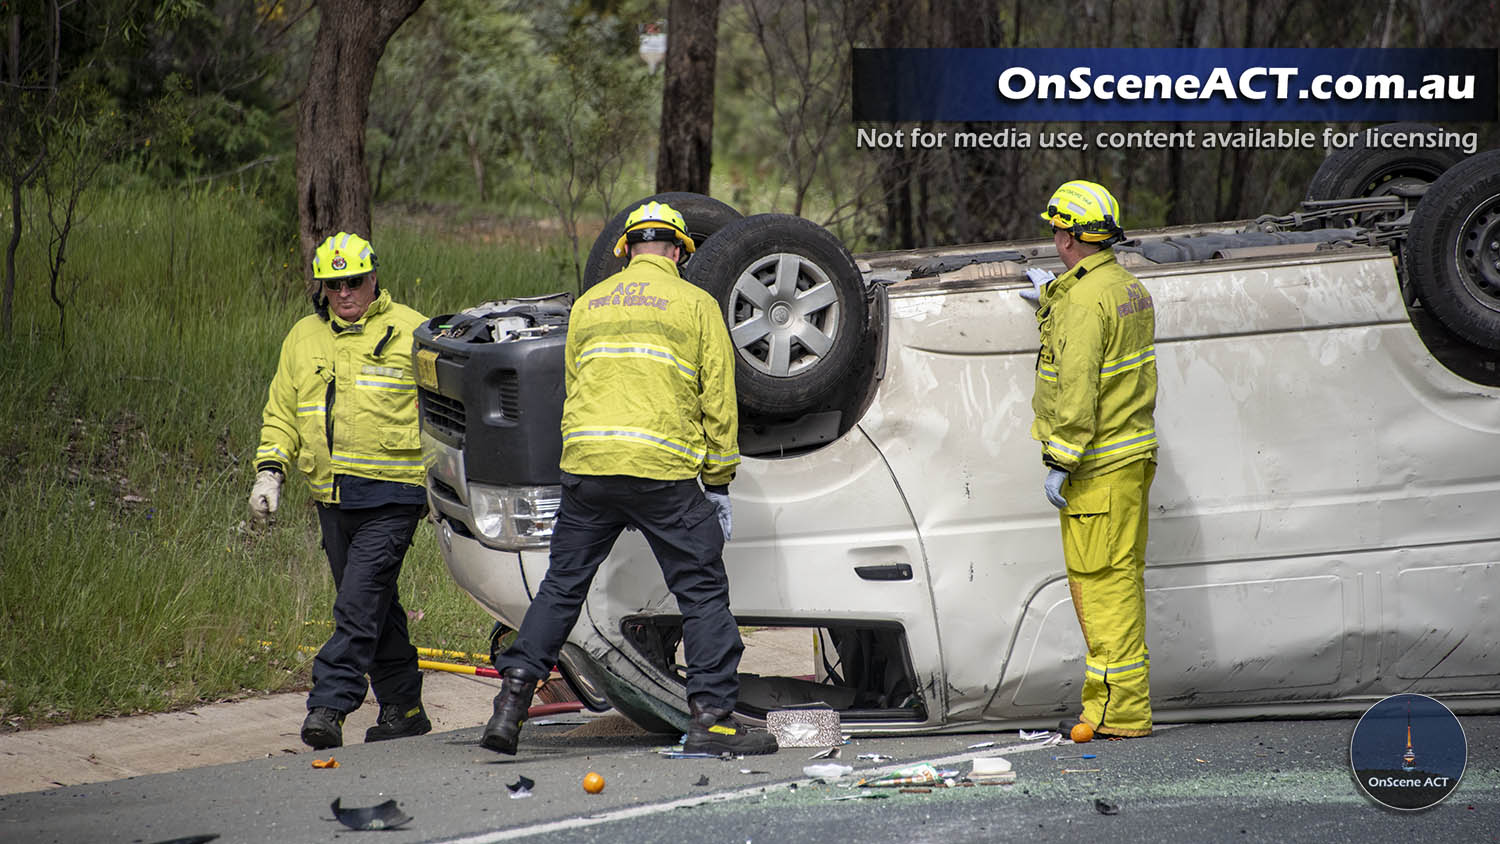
(650, 380)
(1096, 372)
(344, 400)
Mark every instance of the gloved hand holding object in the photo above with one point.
(1053, 487)
(720, 500)
(265, 495)
(1039, 279)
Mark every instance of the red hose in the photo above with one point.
(544, 709)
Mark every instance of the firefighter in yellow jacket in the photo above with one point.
(342, 410)
(649, 410)
(1094, 402)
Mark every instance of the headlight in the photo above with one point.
(515, 517)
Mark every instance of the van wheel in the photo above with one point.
(704, 215)
(1361, 171)
(796, 308)
(1453, 249)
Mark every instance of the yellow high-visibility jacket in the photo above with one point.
(1095, 395)
(344, 400)
(649, 379)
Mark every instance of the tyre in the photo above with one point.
(704, 215)
(646, 712)
(1453, 249)
(1361, 171)
(796, 308)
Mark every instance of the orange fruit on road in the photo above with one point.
(1081, 733)
(593, 783)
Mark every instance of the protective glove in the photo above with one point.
(1053, 487)
(720, 500)
(1039, 279)
(265, 495)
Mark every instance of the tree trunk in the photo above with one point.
(333, 180)
(685, 155)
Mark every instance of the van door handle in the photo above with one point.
(894, 571)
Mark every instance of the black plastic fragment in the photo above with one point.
(191, 839)
(1106, 807)
(525, 783)
(703, 780)
(385, 816)
(957, 262)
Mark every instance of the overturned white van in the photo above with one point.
(1322, 531)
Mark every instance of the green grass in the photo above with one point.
(129, 580)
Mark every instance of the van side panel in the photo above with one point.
(1319, 475)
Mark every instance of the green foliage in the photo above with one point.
(131, 581)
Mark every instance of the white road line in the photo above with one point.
(686, 802)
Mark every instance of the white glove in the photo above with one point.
(265, 495)
(1039, 279)
(720, 500)
(1052, 487)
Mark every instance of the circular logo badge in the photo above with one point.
(1408, 752)
(338, 262)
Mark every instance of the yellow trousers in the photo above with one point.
(1104, 546)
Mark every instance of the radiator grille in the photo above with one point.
(443, 413)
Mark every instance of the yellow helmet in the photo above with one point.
(645, 222)
(343, 255)
(1087, 210)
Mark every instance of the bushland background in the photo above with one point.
(155, 227)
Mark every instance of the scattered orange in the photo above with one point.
(1081, 733)
(593, 783)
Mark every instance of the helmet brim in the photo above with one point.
(679, 237)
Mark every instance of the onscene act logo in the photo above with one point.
(1408, 752)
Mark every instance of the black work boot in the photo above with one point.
(715, 731)
(399, 720)
(323, 728)
(511, 704)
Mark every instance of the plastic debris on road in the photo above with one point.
(676, 752)
(702, 780)
(922, 774)
(875, 757)
(521, 788)
(980, 746)
(385, 816)
(330, 762)
(830, 753)
(859, 795)
(827, 771)
(1035, 735)
(992, 770)
(1106, 807)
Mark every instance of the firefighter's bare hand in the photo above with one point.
(265, 496)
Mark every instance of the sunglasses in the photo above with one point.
(334, 284)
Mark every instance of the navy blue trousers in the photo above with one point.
(681, 526)
(365, 548)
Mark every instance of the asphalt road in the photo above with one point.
(1243, 781)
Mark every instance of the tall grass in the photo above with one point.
(129, 579)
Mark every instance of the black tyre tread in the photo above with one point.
(1347, 173)
(704, 215)
(719, 264)
(1431, 264)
